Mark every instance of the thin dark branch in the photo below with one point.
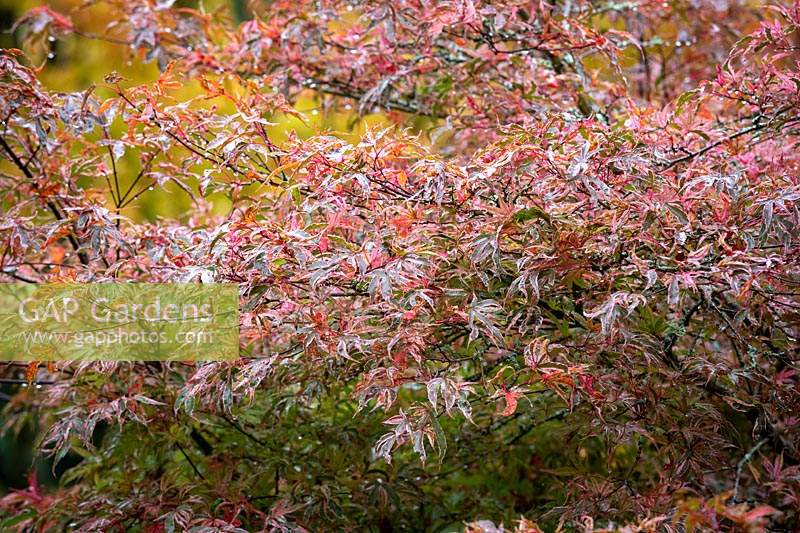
(189, 459)
(20, 278)
(558, 415)
(672, 338)
(137, 195)
(751, 129)
(235, 425)
(741, 464)
(116, 178)
(50, 205)
(145, 168)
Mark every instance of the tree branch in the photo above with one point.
(741, 464)
(751, 129)
(84, 259)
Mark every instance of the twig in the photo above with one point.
(672, 338)
(116, 176)
(20, 278)
(754, 128)
(145, 168)
(558, 415)
(709, 147)
(53, 209)
(137, 195)
(189, 459)
(241, 430)
(740, 466)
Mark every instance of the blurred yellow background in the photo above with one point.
(74, 63)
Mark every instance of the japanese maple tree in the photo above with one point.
(558, 287)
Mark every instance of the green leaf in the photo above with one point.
(441, 439)
(443, 85)
(14, 520)
(678, 212)
(684, 99)
(529, 213)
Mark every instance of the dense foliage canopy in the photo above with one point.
(557, 287)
